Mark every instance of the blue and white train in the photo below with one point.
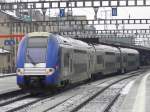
(46, 60)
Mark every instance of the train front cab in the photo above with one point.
(38, 60)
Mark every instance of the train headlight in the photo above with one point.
(20, 71)
(50, 71)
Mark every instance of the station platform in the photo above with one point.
(6, 75)
(138, 97)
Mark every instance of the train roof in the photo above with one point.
(106, 48)
(61, 39)
(77, 44)
(80, 44)
(44, 34)
(71, 41)
(127, 50)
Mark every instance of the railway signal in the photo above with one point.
(62, 12)
(114, 11)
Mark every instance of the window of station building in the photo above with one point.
(8, 58)
(99, 59)
(66, 60)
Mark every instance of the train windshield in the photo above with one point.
(36, 50)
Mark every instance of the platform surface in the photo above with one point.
(138, 98)
(8, 74)
(8, 84)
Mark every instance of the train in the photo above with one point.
(47, 60)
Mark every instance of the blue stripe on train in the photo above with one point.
(20, 80)
(21, 59)
(52, 60)
(21, 54)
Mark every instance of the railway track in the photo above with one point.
(23, 102)
(78, 102)
(80, 96)
(18, 101)
(74, 99)
(103, 101)
(12, 96)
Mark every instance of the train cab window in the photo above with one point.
(35, 42)
(36, 50)
(66, 60)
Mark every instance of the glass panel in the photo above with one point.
(36, 55)
(36, 50)
(37, 42)
(66, 60)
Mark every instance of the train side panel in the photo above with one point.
(68, 61)
(130, 59)
(109, 58)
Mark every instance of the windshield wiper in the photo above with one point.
(31, 59)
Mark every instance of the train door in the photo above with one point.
(119, 60)
(125, 62)
(103, 62)
(90, 65)
(80, 65)
(66, 63)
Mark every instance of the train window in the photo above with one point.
(130, 54)
(36, 50)
(131, 63)
(124, 59)
(110, 53)
(35, 55)
(80, 68)
(37, 42)
(99, 59)
(71, 65)
(137, 58)
(79, 51)
(118, 59)
(110, 65)
(66, 60)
